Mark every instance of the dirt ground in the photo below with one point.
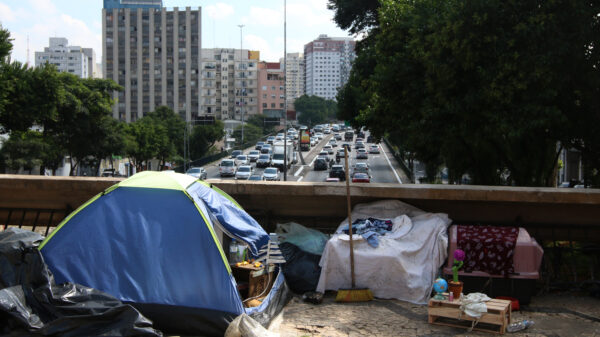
(564, 314)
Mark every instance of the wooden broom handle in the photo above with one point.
(349, 217)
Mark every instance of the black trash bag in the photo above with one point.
(31, 304)
(301, 269)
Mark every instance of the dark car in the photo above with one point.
(348, 146)
(337, 171)
(321, 164)
(266, 149)
(264, 160)
(259, 145)
(236, 153)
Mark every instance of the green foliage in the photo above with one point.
(252, 134)
(204, 137)
(23, 150)
(487, 88)
(5, 44)
(355, 15)
(314, 110)
(170, 132)
(259, 121)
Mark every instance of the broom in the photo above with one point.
(353, 294)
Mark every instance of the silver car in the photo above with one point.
(271, 173)
(197, 172)
(243, 172)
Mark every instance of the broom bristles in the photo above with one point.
(354, 295)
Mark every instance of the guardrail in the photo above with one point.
(400, 159)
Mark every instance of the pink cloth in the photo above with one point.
(489, 249)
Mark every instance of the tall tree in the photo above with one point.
(314, 109)
(487, 88)
(171, 146)
(204, 137)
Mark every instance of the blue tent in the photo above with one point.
(150, 241)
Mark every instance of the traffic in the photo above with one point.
(321, 158)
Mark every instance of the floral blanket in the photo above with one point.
(488, 248)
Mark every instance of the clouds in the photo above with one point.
(41, 19)
(219, 11)
(6, 14)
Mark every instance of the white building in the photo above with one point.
(69, 59)
(228, 82)
(328, 63)
(295, 77)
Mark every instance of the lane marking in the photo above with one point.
(393, 170)
(301, 178)
(299, 170)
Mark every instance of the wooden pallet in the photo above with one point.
(448, 313)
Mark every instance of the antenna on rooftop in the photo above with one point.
(27, 49)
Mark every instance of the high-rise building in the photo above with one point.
(69, 59)
(154, 53)
(294, 76)
(228, 83)
(270, 89)
(328, 63)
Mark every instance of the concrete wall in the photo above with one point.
(547, 213)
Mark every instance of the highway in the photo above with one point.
(381, 166)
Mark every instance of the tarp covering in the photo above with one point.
(31, 304)
(405, 263)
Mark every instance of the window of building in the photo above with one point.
(264, 105)
(272, 105)
(264, 88)
(264, 95)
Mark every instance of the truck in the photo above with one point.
(278, 155)
(304, 140)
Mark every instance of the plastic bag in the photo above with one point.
(301, 269)
(245, 326)
(309, 240)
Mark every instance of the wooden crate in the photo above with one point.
(448, 313)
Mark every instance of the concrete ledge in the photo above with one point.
(565, 213)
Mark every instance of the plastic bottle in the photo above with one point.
(233, 252)
(518, 326)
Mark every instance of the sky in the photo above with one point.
(80, 22)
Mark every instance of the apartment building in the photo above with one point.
(295, 77)
(271, 99)
(69, 59)
(328, 61)
(155, 54)
(229, 80)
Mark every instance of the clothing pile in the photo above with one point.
(370, 229)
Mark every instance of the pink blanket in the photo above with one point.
(489, 249)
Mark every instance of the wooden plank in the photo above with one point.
(468, 325)
(456, 314)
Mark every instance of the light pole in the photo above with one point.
(241, 81)
(285, 90)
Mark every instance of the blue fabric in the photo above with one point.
(372, 238)
(144, 245)
(234, 219)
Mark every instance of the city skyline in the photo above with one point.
(80, 22)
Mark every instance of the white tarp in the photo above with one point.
(405, 263)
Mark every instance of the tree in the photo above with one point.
(204, 137)
(252, 134)
(487, 88)
(171, 141)
(259, 121)
(23, 150)
(314, 109)
(355, 15)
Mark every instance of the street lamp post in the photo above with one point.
(241, 81)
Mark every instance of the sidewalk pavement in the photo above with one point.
(565, 314)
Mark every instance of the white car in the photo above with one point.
(313, 141)
(197, 172)
(271, 173)
(328, 148)
(253, 155)
(227, 167)
(333, 143)
(242, 160)
(319, 135)
(243, 172)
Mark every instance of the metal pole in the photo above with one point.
(241, 81)
(285, 89)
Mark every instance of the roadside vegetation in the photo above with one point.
(46, 116)
(492, 89)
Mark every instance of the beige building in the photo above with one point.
(154, 53)
(229, 80)
(294, 77)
